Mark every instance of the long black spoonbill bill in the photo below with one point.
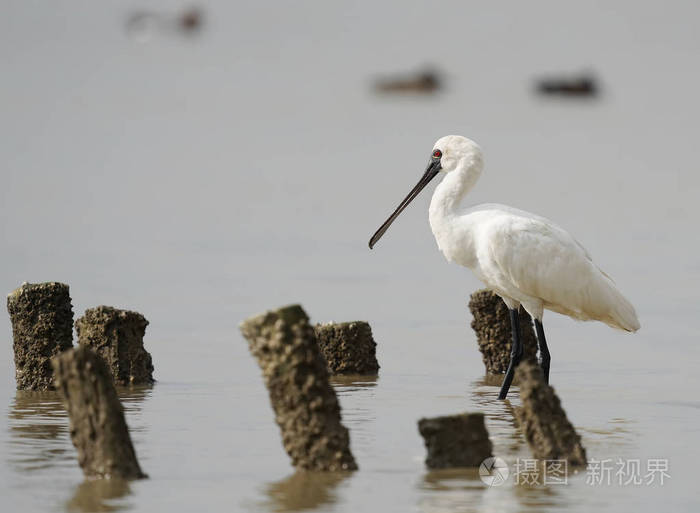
(524, 258)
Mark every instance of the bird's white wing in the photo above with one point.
(529, 257)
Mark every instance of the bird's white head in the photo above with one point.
(450, 153)
(456, 152)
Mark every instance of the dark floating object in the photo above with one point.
(117, 336)
(547, 430)
(584, 86)
(426, 81)
(455, 440)
(306, 407)
(42, 327)
(491, 322)
(191, 20)
(143, 25)
(348, 347)
(97, 426)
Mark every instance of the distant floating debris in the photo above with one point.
(142, 26)
(191, 20)
(426, 81)
(584, 85)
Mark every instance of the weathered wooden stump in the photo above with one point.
(306, 407)
(42, 327)
(547, 430)
(348, 347)
(97, 426)
(117, 336)
(491, 322)
(455, 440)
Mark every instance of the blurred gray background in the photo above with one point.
(200, 177)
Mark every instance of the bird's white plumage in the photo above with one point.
(526, 259)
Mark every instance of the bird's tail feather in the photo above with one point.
(621, 313)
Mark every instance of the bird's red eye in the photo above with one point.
(437, 154)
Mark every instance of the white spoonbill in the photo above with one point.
(524, 258)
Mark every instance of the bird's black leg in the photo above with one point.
(516, 352)
(544, 351)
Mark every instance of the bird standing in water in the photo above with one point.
(526, 259)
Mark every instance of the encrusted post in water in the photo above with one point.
(455, 440)
(117, 336)
(97, 426)
(42, 327)
(348, 347)
(491, 323)
(548, 431)
(306, 407)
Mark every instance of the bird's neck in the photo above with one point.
(449, 193)
(454, 238)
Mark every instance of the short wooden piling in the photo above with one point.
(42, 327)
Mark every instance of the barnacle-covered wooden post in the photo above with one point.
(117, 336)
(348, 347)
(455, 440)
(491, 323)
(547, 429)
(305, 405)
(97, 425)
(42, 327)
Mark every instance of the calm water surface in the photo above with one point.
(203, 180)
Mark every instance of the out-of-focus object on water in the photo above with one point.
(142, 26)
(191, 20)
(425, 81)
(583, 85)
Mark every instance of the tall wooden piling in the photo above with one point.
(42, 327)
(97, 425)
(305, 405)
